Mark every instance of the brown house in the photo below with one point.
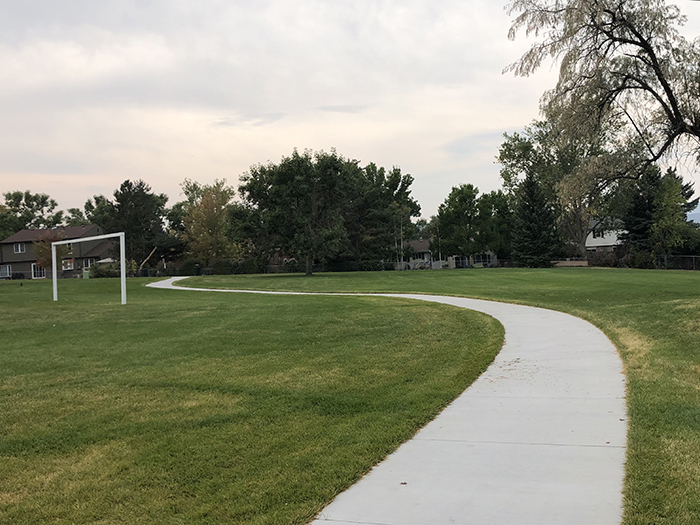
(18, 261)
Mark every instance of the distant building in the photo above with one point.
(422, 257)
(18, 260)
(601, 241)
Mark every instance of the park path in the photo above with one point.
(539, 438)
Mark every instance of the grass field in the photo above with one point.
(213, 408)
(653, 318)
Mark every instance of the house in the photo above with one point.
(602, 241)
(486, 259)
(18, 260)
(422, 257)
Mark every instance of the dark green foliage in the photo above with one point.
(535, 239)
(637, 219)
(495, 223)
(76, 217)
(458, 222)
(467, 224)
(299, 203)
(535, 150)
(322, 207)
(570, 174)
(136, 211)
(377, 212)
(654, 213)
(99, 210)
(25, 210)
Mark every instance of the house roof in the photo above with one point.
(100, 249)
(420, 246)
(68, 232)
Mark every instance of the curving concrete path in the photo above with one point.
(538, 439)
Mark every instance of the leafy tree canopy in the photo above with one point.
(299, 201)
(623, 64)
(570, 173)
(467, 224)
(206, 220)
(25, 210)
(377, 211)
(136, 211)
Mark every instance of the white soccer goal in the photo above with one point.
(122, 257)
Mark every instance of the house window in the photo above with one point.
(87, 263)
(5, 271)
(20, 247)
(67, 264)
(70, 247)
(38, 272)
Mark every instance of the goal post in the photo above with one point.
(122, 257)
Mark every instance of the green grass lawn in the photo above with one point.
(213, 408)
(652, 317)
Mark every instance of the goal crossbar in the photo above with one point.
(122, 257)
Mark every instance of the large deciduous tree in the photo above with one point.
(668, 219)
(299, 201)
(136, 211)
(622, 62)
(377, 209)
(458, 217)
(569, 173)
(468, 224)
(653, 211)
(26, 210)
(206, 220)
(496, 221)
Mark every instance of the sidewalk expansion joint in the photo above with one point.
(418, 438)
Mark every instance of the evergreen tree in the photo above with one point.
(535, 238)
(668, 219)
(139, 213)
(658, 200)
(638, 217)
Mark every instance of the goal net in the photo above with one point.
(122, 259)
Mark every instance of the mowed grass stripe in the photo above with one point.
(652, 317)
(213, 408)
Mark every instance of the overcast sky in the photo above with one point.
(96, 92)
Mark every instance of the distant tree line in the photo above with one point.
(563, 190)
(310, 208)
(319, 208)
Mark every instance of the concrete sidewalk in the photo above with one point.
(538, 439)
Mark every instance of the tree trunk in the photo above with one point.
(146, 259)
(309, 263)
(582, 248)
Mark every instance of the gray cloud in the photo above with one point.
(166, 89)
(465, 147)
